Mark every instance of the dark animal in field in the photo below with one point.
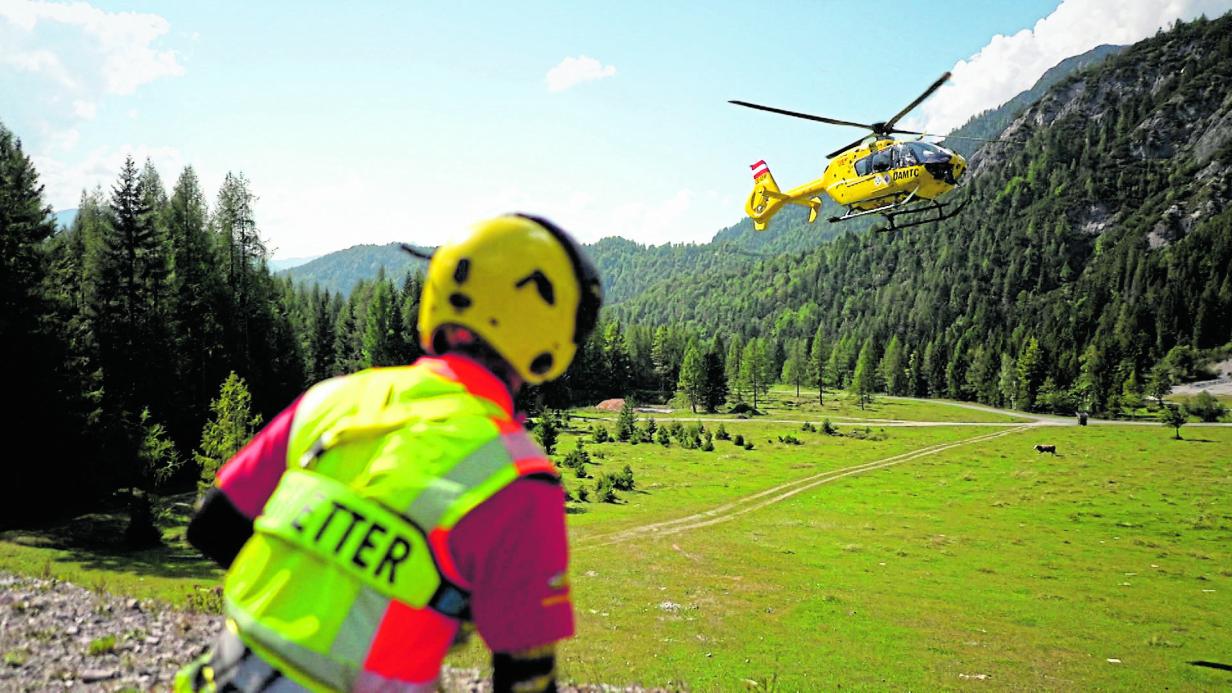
(1041, 449)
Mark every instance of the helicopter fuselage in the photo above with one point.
(879, 174)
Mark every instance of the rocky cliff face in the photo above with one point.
(1161, 107)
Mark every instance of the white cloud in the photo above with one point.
(111, 52)
(65, 139)
(1011, 64)
(86, 110)
(573, 71)
(64, 180)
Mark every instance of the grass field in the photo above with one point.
(965, 559)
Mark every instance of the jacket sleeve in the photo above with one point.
(223, 522)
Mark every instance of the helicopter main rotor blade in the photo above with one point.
(889, 125)
(836, 152)
(949, 137)
(806, 116)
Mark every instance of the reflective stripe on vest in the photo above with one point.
(348, 581)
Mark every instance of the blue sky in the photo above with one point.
(371, 122)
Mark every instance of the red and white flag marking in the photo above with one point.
(759, 169)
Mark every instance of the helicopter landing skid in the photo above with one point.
(906, 208)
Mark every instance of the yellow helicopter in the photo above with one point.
(893, 178)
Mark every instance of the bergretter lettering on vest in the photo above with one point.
(352, 536)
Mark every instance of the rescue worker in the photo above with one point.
(383, 511)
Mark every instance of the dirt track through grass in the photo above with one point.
(781, 492)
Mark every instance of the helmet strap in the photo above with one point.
(459, 340)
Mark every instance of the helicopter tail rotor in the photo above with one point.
(766, 197)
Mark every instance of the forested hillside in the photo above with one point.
(1084, 256)
(341, 270)
(991, 123)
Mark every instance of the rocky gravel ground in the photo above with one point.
(56, 636)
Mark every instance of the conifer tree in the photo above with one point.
(715, 388)
(232, 425)
(865, 379)
(819, 357)
(382, 337)
(796, 363)
(196, 291)
(693, 376)
(894, 368)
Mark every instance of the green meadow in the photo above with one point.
(936, 557)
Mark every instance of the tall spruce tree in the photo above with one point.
(819, 356)
(693, 376)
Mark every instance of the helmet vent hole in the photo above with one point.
(459, 300)
(542, 364)
(462, 271)
(542, 284)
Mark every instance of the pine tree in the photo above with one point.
(693, 376)
(819, 357)
(756, 367)
(732, 367)
(796, 364)
(412, 286)
(1029, 375)
(715, 388)
(865, 379)
(894, 368)
(232, 425)
(38, 333)
(382, 338)
(196, 299)
(626, 422)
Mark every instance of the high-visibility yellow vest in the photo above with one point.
(348, 582)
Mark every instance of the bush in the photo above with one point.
(583, 494)
(738, 440)
(808, 428)
(1205, 407)
(748, 445)
(828, 428)
(665, 438)
(600, 434)
(605, 489)
(789, 439)
(624, 480)
(722, 433)
(708, 446)
(577, 459)
(744, 408)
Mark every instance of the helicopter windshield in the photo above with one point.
(929, 153)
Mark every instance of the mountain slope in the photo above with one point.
(1106, 237)
(991, 123)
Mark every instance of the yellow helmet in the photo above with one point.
(519, 283)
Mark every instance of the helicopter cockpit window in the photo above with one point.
(904, 156)
(864, 166)
(881, 161)
(929, 153)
